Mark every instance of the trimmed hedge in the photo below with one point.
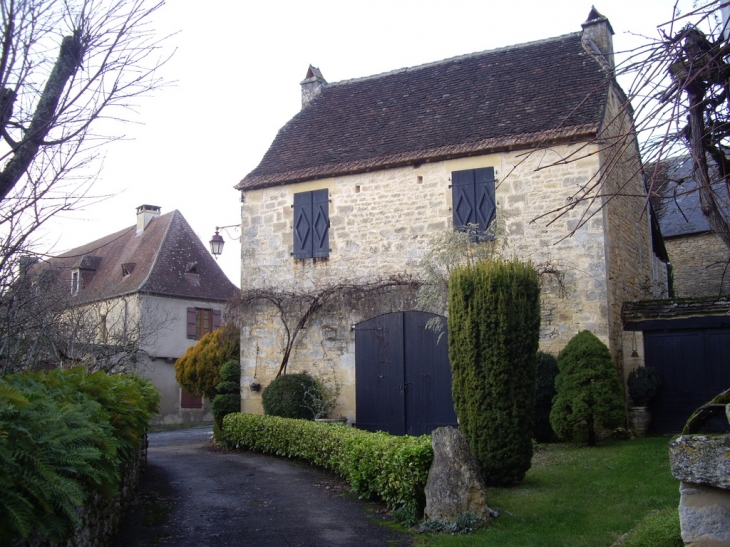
(393, 468)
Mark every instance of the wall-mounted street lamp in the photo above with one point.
(217, 242)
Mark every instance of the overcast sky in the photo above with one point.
(237, 69)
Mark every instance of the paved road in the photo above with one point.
(194, 495)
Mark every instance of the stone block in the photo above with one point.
(455, 484)
(701, 459)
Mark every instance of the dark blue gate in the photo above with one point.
(403, 375)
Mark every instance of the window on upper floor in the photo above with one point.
(75, 281)
(311, 224)
(473, 200)
(201, 321)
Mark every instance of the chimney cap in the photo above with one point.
(595, 17)
(148, 208)
(313, 75)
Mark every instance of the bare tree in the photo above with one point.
(677, 92)
(67, 68)
(44, 327)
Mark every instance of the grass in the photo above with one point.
(578, 496)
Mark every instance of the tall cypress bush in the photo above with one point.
(589, 393)
(494, 324)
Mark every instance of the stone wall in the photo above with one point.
(628, 233)
(382, 223)
(698, 264)
(100, 517)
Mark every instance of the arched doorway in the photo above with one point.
(402, 375)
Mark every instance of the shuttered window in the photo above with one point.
(311, 224)
(473, 201)
(201, 321)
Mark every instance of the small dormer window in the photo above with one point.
(127, 269)
(75, 281)
(191, 268)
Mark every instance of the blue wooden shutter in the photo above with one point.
(303, 225)
(191, 323)
(320, 223)
(484, 198)
(215, 319)
(463, 199)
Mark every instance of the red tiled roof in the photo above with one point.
(157, 261)
(514, 96)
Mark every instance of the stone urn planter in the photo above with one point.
(643, 384)
(639, 420)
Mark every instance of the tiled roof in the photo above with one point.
(510, 97)
(676, 200)
(155, 262)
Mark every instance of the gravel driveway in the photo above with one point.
(194, 495)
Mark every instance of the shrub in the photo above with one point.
(198, 371)
(393, 468)
(643, 383)
(589, 395)
(287, 396)
(228, 398)
(547, 370)
(494, 322)
(64, 435)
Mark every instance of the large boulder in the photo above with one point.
(454, 484)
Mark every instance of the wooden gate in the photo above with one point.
(403, 375)
(693, 366)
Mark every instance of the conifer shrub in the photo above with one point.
(589, 394)
(286, 396)
(494, 323)
(228, 398)
(198, 371)
(547, 370)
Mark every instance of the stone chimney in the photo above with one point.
(597, 38)
(311, 85)
(145, 213)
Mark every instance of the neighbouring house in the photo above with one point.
(685, 338)
(698, 255)
(137, 299)
(354, 189)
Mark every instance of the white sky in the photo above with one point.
(237, 70)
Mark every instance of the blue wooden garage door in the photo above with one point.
(403, 375)
(694, 366)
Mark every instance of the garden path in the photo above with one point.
(194, 495)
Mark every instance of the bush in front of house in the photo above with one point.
(547, 371)
(228, 398)
(494, 323)
(198, 371)
(287, 396)
(589, 394)
(643, 385)
(64, 435)
(392, 468)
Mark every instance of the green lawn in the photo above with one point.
(578, 496)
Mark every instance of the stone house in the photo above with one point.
(357, 185)
(697, 255)
(145, 293)
(686, 338)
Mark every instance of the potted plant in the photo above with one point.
(643, 384)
